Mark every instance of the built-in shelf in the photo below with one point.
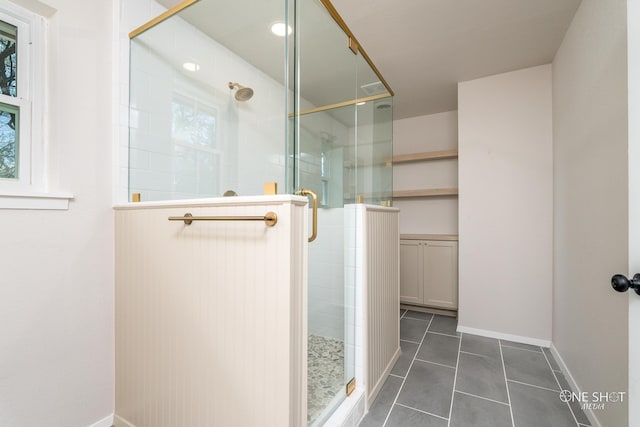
(363, 165)
(430, 155)
(438, 237)
(427, 192)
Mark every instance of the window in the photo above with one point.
(22, 100)
(9, 141)
(197, 157)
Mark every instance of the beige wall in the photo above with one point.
(56, 290)
(505, 212)
(590, 196)
(433, 132)
(633, 58)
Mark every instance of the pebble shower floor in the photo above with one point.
(325, 373)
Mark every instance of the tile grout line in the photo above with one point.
(483, 398)
(424, 412)
(476, 354)
(435, 363)
(560, 387)
(407, 374)
(455, 379)
(506, 383)
(446, 335)
(412, 342)
(415, 318)
(535, 386)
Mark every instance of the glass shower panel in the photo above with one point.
(374, 152)
(208, 94)
(373, 168)
(323, 121)
(331, 355)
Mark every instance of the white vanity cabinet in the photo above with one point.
(429, 270)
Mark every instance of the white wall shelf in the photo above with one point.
(429, 155)
(425, 156)
(425, 192)
(425, 173)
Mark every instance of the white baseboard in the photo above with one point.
(121, 422)
(105, 422)
(572, 383)
(501, 336)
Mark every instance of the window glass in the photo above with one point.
(196, 159)
(9, 117)
(8, 59)
(193, 125)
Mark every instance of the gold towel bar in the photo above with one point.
(270, 218)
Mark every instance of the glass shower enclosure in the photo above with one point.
(226, 96)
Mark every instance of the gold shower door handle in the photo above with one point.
(314, 201)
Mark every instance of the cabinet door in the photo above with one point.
(411, 272)
(440, 270)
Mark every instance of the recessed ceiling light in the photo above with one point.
(190, 66)
(279, 28)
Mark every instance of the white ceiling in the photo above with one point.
(424, 47)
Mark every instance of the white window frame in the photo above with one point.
(200, 105)
(30, 190)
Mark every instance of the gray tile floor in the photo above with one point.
(447, 379)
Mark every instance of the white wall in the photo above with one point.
(590, 197)
(56, 296)
(505, 205)
(433, 132)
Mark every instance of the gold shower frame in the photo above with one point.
(353, 45)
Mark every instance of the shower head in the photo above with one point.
(243, 93)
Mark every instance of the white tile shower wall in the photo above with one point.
(249, 137)
(133, 13)
(253, 133)
(326, 276)
(321, 133)
(354, 284)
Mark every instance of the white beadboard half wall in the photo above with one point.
(381, 294)
(211, 317)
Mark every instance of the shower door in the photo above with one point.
(331, 290)
(340, 147)
(323, 140)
